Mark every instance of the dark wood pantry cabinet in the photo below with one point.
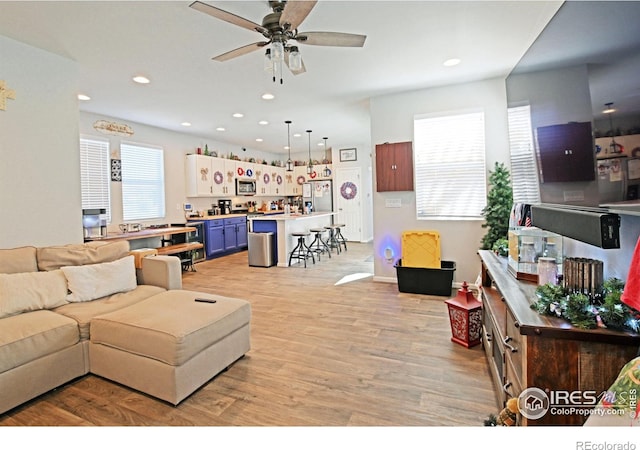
(394, 167)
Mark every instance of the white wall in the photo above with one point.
(39, 163)
(392, 121)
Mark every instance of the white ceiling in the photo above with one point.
(172, 44)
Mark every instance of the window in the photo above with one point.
(142, 182)
(524, 172)
(450, 166)
(94, 174)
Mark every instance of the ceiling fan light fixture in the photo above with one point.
(295, 59)
(277, 51)
(268, 64)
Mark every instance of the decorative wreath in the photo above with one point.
(300, 179)
(279, 179)
(240, 171)
(348, 190)
(217, 177)
(266, 178)
(313, 174)
(249, 173)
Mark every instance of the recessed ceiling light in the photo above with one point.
(238, 115)
(140, 79)
(258, 139)
(451, 62)
(286, 147)
(263, 122)
(268, 96)
(186, 124)
(221, 129)
(320, 144)
(83, 97)
(297, 135)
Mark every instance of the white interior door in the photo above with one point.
(348, 187)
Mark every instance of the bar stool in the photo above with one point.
(333, 242)
(319, 246)
(301, 250)
(339, 237)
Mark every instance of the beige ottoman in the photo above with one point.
(170, 345)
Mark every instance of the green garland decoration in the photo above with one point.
(580, 310)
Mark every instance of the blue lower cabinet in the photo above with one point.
(226, 236)
(235, 233)
(214, 230)
(243, 237)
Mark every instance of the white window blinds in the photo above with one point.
(142, 182)
(94, 174)
(524, 171)
(450, 166)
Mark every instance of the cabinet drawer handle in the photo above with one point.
(511, 347)
(488, 336)
(506, 386)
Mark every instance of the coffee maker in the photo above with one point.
(225, 206)
(94, 223)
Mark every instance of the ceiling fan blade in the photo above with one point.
(331, 39)
(303, 69)
(295, 11)
(227, 16)
(240, 51)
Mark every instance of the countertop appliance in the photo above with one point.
(94, 223)
(245, 186)
(618, 179)
(320, 194)
(225, 206)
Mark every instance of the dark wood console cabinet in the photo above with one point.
(525, 349)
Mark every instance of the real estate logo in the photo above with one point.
(533, 403)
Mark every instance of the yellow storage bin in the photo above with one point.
(421, 249)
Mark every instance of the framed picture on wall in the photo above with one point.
(348, 154)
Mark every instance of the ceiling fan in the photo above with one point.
(280, 27)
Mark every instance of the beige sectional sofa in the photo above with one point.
(51, 296)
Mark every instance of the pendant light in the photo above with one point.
(310, 164)
(326, 172)
(614, 146)
(289, 162)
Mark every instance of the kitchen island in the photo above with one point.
(282, 225)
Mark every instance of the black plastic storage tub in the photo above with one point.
(421, 280)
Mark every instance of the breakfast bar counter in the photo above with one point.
(282, 225)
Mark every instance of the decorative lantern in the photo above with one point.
(465, 315)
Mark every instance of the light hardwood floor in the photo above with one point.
(325, 351)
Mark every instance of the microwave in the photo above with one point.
(245, 186)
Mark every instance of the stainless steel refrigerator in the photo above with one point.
(618, 179)
(320, 194)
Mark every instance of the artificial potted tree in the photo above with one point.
(497, 211)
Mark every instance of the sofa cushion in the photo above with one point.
(31, 291)
(29, 336)
(83, 312)
(55, 257)
(17, 260)
(95, 281)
